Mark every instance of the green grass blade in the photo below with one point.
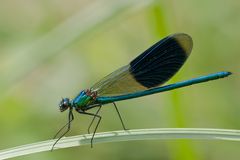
(51, 43)
(129, 135)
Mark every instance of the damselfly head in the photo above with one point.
(64, 104)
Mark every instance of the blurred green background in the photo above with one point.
(54, 49)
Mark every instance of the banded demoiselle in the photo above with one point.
(141, 77)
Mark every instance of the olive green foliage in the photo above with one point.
(53, 49)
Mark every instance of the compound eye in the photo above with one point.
(64, 104)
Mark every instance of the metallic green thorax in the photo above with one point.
(85, 98)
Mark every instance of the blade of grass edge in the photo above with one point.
(129, 135)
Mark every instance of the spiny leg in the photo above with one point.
(70, 119)
(67, 124)
(61, 129)
(119, 116)
(93, 118)
(99, 120)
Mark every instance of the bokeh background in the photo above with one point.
(54, 49)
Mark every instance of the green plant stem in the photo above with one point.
(63, 35)
(128, 135)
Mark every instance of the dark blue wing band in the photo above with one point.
(161, 61)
